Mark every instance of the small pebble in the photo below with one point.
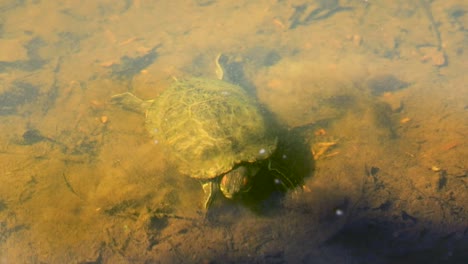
(357, 40)
(433, 55)
(104, 119)
(405, 120)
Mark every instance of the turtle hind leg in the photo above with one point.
(211, 189)
(130, 102)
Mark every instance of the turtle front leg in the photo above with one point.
(211, 189)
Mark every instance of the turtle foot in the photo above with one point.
(211, 189)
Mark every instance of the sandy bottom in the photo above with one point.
(82, 181)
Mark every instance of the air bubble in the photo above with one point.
(339, 212)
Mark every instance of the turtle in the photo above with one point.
(212, 130)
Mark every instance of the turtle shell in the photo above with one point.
(209, 126)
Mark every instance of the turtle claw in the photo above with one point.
(211, 188)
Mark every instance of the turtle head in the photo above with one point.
(237, 180)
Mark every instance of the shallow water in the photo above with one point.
(383, 81)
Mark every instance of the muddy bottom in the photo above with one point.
(368, 100)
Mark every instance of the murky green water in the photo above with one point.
(368, 100)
